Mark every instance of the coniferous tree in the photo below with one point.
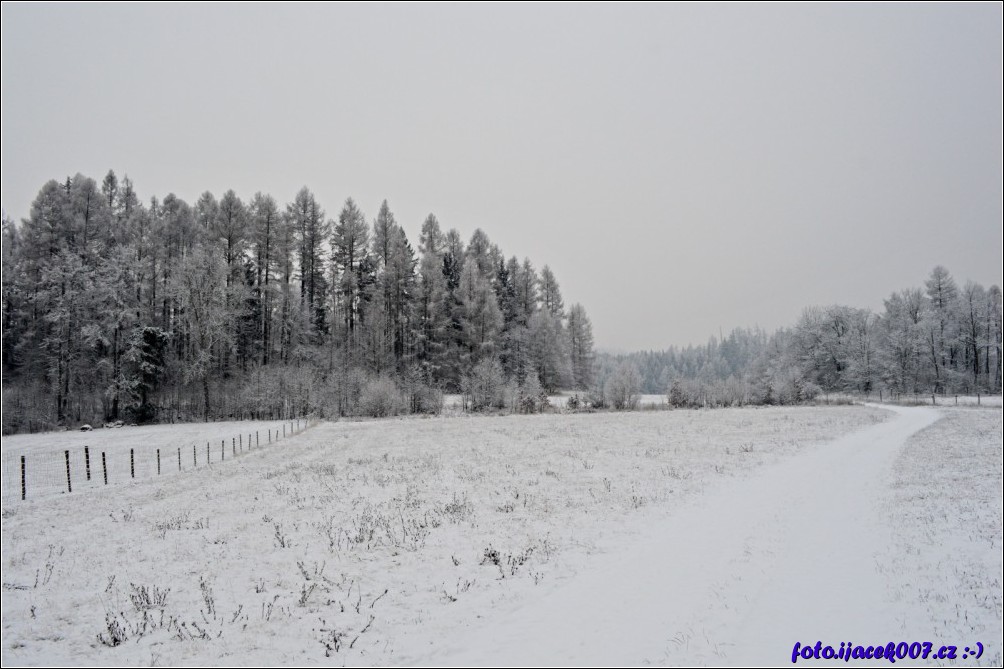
(350, 254)
(313, 230)
(433, 331)
(480, 318)
(580, 347)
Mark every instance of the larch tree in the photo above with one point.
(266, 221)
(580, 347)
(313, 230)
(480, 318)
(433, 332)
(350, 254)
(550, 294)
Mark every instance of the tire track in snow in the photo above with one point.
(786, 555)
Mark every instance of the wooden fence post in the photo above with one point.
(179, 458)
(87, 461)
(24, 489)
(132, 463)
(104, 466)
(69, 483)
(158, 462)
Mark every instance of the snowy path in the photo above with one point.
(787, 555)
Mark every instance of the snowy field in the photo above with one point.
(668, 537)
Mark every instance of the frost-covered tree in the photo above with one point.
(351, 258)
(200, 287)
(480, 318)
(433, 324)
(313, 230)
(265, 223)
(479, 252)
(622, 389)
(550, 294)
(902, 340)
(549, 350)
(971, 333)
(580, 347)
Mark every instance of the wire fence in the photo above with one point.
(31, 474)
(912, 399)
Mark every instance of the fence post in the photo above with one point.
(179, 458)
(283, 430)
(207, 452)
(104, 466)
(233, 446)
(223, 450)
(270, 435)
(87, 461)
(158, 462)
(249, 441)
(132, 463)
(932, 399)
(69, 484)
(241, 437)
(24, 489)
(257, 438)
(195, 457)
(956, 400)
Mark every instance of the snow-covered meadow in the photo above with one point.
(435, 540)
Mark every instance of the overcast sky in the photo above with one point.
(680, 168)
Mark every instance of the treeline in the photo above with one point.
(939, 338)
(225, 308)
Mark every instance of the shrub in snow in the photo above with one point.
(676, 397)
(532, 398)
(622, 389)
(484, 386)
(380, 397)
(426, 400)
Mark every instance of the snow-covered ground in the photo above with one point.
(669, 537)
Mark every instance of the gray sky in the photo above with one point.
(680, 168)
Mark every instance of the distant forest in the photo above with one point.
(939, 338)
(116, 309)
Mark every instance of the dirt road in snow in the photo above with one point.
(786, 555)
